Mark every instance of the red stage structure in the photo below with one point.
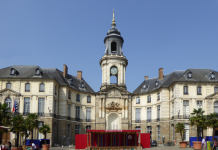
(111, 139)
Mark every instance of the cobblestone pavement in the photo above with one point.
(152, 148)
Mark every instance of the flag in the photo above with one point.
(15, 107)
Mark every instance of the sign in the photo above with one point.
(113, 130)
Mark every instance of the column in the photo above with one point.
(99, 107)
(124, 73)
(103, 108)
(126, 111)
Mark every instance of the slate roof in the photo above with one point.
(198, 75)
(28, 72)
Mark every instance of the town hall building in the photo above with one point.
(69, 105)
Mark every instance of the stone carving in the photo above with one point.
(114, 93)
(113, 105)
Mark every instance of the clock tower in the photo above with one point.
(113, 63)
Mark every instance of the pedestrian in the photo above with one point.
(9, 145)
(214, 144)
(34, 146)
(204, 144)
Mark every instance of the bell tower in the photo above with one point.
(113, 63)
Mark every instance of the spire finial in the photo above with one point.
(113, 21)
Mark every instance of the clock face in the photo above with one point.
(114, 70)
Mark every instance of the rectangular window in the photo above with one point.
(185, 109)
(158, 113)
(42, 87)
(137, 100)
(149, 114)
(26, 110)
(138, 115)
(69, 95)
(158, 96)
(55, 90)
(8, 85)
(173, 132)
(186, 134)
(27, 87)
(41, 104)
(172, 92)
(88, 99)
(138, 128)
(88, 128)
(149, 99)
(77, 113)
(172, 109)
(69, 110)
(185, 89)
(40, 135)
(77, 97)
(55, 107)
(215, 89)
(149, 130)
(199, 90)
(88, 114)
(76, 129)
(199, 104)
(158, 133)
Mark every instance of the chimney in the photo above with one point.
(79, 75)
(146, 77)
(65, 70)
(160, 73)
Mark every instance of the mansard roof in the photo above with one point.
(198, 75)
(28, 72)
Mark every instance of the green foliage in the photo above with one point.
(198, 119)
(212, 122)
(32, 123)
(45, 129)
(180, 128)
(5, 117)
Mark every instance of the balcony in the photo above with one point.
(41, 113)
(186, 116)
(148, 120)
(77, 119)
(26, 113)
(158, 119)
(88, 120)
(137, 121)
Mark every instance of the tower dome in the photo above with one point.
(113, 41)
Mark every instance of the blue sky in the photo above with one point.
(173, 34)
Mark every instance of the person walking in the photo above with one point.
(214, 144)
(9, 145)
(204, 144)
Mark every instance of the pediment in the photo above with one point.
(212, 96)
(108, 90)
(9, 92)
(114, 93)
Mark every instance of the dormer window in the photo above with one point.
(189, 75)
(38, 72)
(144, 86)
(212, 76)
(82, 85)
(14, 72)
(156, 83)
(71, 82)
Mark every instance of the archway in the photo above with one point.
(113, 121)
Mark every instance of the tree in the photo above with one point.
(32, 123)
(5, 117)
(198, 119)
(24, 132)
(45, 129)
(180, 128)
(17, 126)
(212, 122)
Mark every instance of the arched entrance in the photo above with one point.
(113, 121)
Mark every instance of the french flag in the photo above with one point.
(15, 107)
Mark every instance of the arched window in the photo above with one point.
(8, 85)
(216, 107)
(8, 102)
(27, 87)
(42, 87)
(113, 47)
